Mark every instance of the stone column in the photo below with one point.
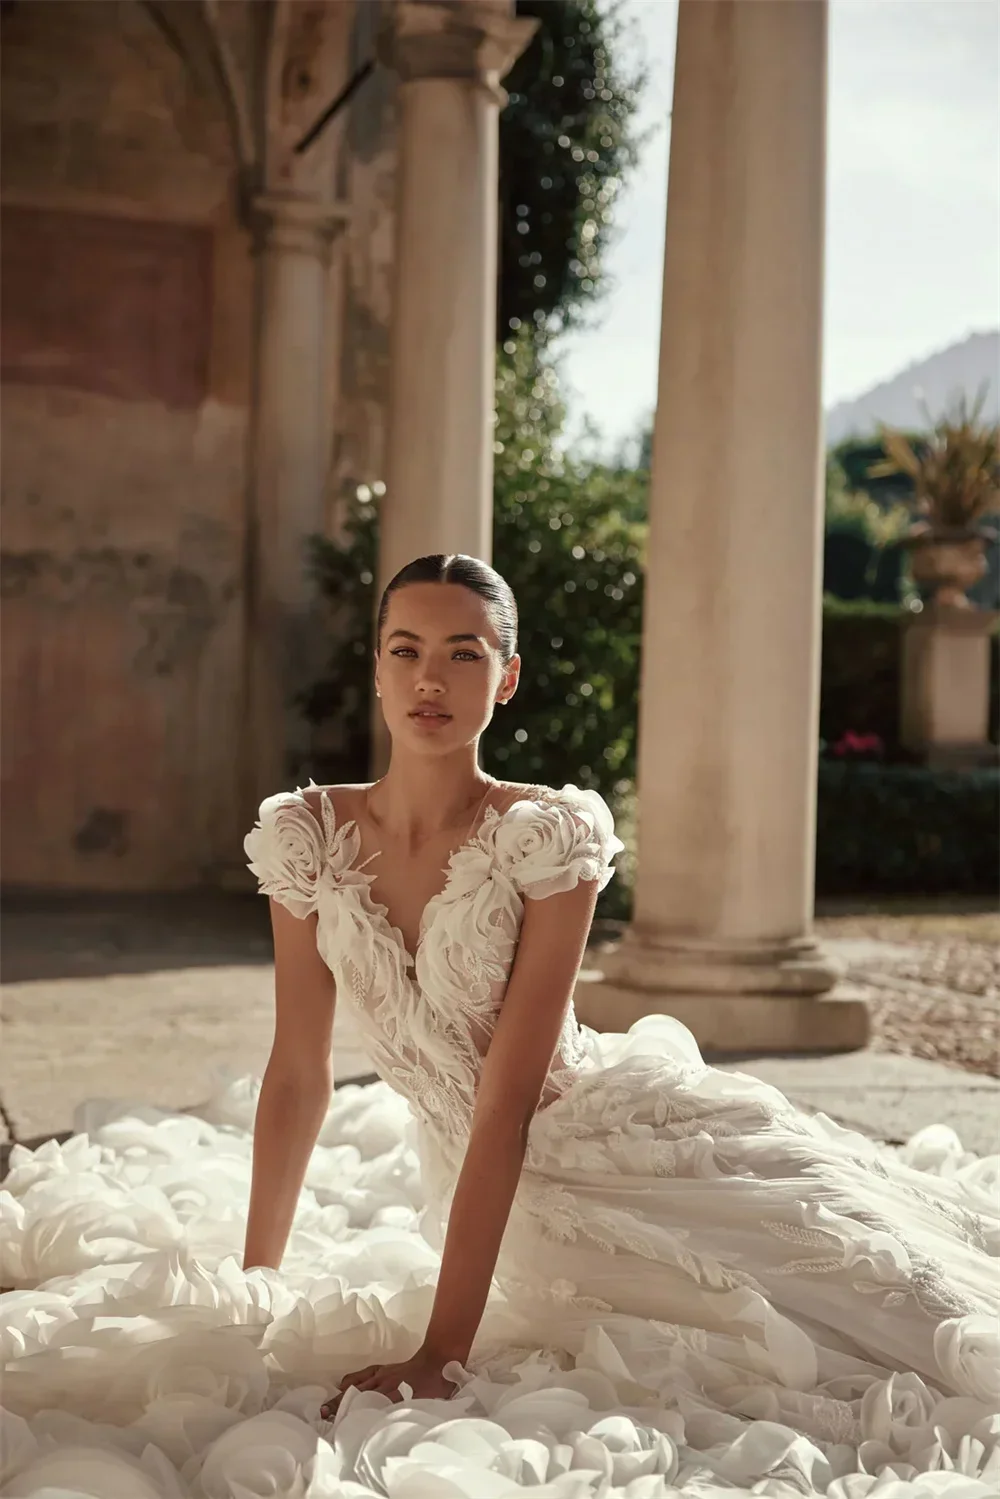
(728, 711)
(288, 475)
(449, 58)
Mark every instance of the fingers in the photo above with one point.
(383, 1379)
(388, 1384)
(363, 1379)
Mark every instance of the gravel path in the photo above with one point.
(936, 993)
(913, 1014)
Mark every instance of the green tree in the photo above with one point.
(855, 458)
(565, 142)
(568, 540)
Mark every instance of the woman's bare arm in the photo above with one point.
(550, 950)
(295, 1091)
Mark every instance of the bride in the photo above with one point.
(529, 1256)
(766, 1263)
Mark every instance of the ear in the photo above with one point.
(509, 680)
(378, 684)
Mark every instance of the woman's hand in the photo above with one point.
(422, 1373)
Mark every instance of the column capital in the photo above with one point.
(475, 40)
(296, 222)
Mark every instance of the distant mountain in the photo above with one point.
(933, 383)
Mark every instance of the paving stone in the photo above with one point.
(888, 1097)
(155, 998)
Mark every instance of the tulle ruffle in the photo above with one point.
(142, 1363)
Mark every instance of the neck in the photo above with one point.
(417, 798)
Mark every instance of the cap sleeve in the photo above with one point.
(286, 850)
(557, 840)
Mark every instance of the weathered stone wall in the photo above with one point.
(127, 325)
(129, 321)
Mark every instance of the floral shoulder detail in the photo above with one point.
(294, 850)
(554, 839)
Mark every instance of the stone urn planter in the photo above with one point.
(955, 472)
(947, 561)
(945, 689)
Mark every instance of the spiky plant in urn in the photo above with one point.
(955, 471)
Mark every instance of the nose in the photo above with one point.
(429, 680)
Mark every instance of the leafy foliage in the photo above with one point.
(855, 458)
(339, 704)
(899, 829)
(565, 141)
(862, 553)
(862, 646)
(570, 540)
(955, 471)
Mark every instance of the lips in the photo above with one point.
(435, 715)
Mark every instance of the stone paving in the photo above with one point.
(155, 999)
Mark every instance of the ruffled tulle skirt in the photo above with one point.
(699, 1290)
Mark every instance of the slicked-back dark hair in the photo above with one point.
(469, 572)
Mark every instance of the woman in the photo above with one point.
(604, 1196)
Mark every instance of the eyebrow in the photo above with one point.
(451, 640)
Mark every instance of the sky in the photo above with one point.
(913, 204)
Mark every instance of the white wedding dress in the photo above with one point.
(700, 1289)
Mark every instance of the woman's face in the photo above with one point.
(440, 670)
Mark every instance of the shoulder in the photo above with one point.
(550, 838)
(295, 837)
(571, 801)
(345, 800)
(510, 793)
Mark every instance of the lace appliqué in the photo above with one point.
(564, 1293)
(432, 1052)
(920, 1279)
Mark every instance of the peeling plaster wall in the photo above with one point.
(124, 419)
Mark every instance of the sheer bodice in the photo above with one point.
(426, 1019)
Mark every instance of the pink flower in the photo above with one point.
(852, 744)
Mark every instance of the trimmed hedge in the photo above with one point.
(881, 830)
(856, 570)
(907, 830)
(859, 689)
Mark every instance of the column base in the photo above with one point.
(645, 960)
(732, 1024)
(746, 997)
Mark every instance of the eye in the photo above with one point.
(407, 651)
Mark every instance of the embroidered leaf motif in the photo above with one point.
(809, 1267)
(796, 1233)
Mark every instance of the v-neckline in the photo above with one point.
(381, 911)
(378, 911)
